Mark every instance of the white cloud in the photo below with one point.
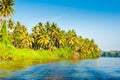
(56, 18)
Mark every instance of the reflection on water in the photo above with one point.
(7, 68)
(102, 68)
(21, 64)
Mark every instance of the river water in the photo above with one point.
(94, 69)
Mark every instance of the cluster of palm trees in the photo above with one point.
(49, 36)
(46, 36)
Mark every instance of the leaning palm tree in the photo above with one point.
(6, 10)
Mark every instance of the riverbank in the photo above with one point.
(12, 53)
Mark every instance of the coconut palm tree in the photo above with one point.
(47, 27)
(62, 38)
(6, 10)
(44, 40)
(40, 27)
(11, 24)
(34, 35)
(20, 36)
(71, 38)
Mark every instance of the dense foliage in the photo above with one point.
(110, 54)
(49, 36)
(46, 38)
(6, 8)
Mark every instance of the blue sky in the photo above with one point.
(94, 19)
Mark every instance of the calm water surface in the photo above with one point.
(96, 69)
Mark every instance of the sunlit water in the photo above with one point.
(96, 69)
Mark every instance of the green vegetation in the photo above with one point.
(110, 54)
(46, 41)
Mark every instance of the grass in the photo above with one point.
(9, 52)
(12, 53)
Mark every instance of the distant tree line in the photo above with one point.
(110, 54)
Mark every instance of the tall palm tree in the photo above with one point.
(35, 34)
(71, 38)
(62, 38)
(47, 27)
(6, 10)
(40, 27)
(54, 34)
(20, 36)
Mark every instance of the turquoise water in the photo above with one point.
(96, 69)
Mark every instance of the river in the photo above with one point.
(92, 69)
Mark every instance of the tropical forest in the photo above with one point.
(44, 41)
